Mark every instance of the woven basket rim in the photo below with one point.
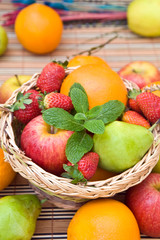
(55, 185)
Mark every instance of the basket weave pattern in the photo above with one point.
(61, 187)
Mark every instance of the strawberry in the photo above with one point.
(27, 106)
(132, 103)
(135, 118)
(149, 104)
(85, 168)
(51, 78)
(58, 100)
(87, 165)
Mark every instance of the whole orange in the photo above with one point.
(6, 172)
(81, 60)
(38, 28)
(103, 219)
(156, 92)
(101, 84)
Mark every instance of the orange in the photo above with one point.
(81, 60)
(101, 84)
(102, 174)
(157, 92)
(38, 28)
(6, 172)
(103, 219)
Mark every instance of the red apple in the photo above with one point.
(140, 72)
(45, 147)
(144, 201)
(10, 85)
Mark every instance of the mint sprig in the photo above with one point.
(60, 118)
(20, 101)
(77, 145)
(81, 121)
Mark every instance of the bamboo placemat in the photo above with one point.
(77, 38)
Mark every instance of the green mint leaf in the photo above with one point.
(60, 118)
(79, 100)
(80, 116)
(77, 85)
(93, 112)
(111, 111)
(95, 126)
(77, 145)
(74, 173)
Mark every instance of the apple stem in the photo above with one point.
(18, 80)
(52, 129)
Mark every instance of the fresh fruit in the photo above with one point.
(18, 216)
(3, 40)
(100, 83)
(10, 85)
(58, 100)
(156, 169)
(122, 145)
(103, 219)
(43, 28)
(6, 172)
(132, 103)
(157, 83)
(149, 104)
(27, 106)
(144, 201)
(81, 60)
(135, 118)
(143, 17)
(51, 78)
(140, 72)
(102, 174)
(45, 145)
(87, 165)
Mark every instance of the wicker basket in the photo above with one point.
(60, 191)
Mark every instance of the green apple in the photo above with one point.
(3, 40)
(10, 85)
(156, 169)
(143, 17)
(121, 145)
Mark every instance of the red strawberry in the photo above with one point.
(132, 103)
(135, 118)
(51, 78)
(27, 105)
(149, 104)
(87, 165)
(58, 100)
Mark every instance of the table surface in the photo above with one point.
(77, 37)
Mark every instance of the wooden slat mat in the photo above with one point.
(126, 47)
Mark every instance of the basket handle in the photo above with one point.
(4, 108)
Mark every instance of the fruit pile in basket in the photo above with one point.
(86, 124)
(75, 124)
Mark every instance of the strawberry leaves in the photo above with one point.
(20, 101)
